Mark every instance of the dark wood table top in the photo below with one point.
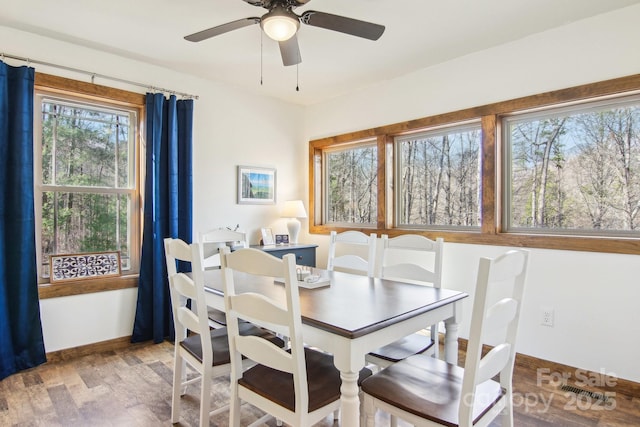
(352, 306)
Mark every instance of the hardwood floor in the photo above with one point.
(132, 387)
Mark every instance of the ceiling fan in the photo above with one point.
(281, 24)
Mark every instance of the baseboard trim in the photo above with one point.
(580, 376)
(620, 385)
(85, 350)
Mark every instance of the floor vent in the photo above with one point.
(583, 392)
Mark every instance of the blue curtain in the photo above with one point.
(167, 209)
(21, 341)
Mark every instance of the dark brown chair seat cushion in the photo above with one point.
(323, 380)
(403, 348)
(220, 342)
(430, 388)
(217, 316)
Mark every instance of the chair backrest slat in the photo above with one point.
(260, 351)
(184, 285)
(257, 308)
(493, 362)
(214, 240)
(222, 235)
(350, 261)
(413, 242)
(254, 262)
(345, 250)
(188, 319)
(412, 257)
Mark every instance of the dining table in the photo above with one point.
(350, 315)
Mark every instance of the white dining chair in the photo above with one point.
(204, 350)
(426, 391)
(416, 259)
(347, 252)
(212, 241)
(299, 386)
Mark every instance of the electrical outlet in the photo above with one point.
(547, 316)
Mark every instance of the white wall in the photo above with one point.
(231, 128)
(595, 296)
(77, 320)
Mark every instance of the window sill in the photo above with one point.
(87, 286)
(604, 244)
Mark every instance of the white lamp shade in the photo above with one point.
(293, 209)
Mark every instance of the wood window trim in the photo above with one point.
(87, 286)
(490, 232)
(64, 85)
(90, 91)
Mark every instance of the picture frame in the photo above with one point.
(256, 185)
(96, 265)
(267, 237)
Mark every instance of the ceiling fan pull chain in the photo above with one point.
(261, 55)
(297, 78)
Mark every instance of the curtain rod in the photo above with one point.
(94, 75)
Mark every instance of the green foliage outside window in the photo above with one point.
(86, 179)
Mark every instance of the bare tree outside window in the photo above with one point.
(576, 170)
(557, 170)
(352, 188)
(439, 177)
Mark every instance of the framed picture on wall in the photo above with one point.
(256, 185)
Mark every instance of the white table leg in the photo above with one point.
(451, 341)
(349, 401)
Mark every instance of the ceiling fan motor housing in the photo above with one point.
(280, 23)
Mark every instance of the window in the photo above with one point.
(86, 175)
(557, 170)
(351, 184)
(438, 177)
(574, 169)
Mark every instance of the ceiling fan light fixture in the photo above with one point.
(279, 24)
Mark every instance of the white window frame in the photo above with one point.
(368, 143)
(132, 191)
(553, 111)
(397, 176)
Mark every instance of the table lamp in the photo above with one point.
(293, 209)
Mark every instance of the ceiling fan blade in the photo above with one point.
(221, 29)
(351, 26)
(290, 51)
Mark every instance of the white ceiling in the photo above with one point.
(419, 34)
